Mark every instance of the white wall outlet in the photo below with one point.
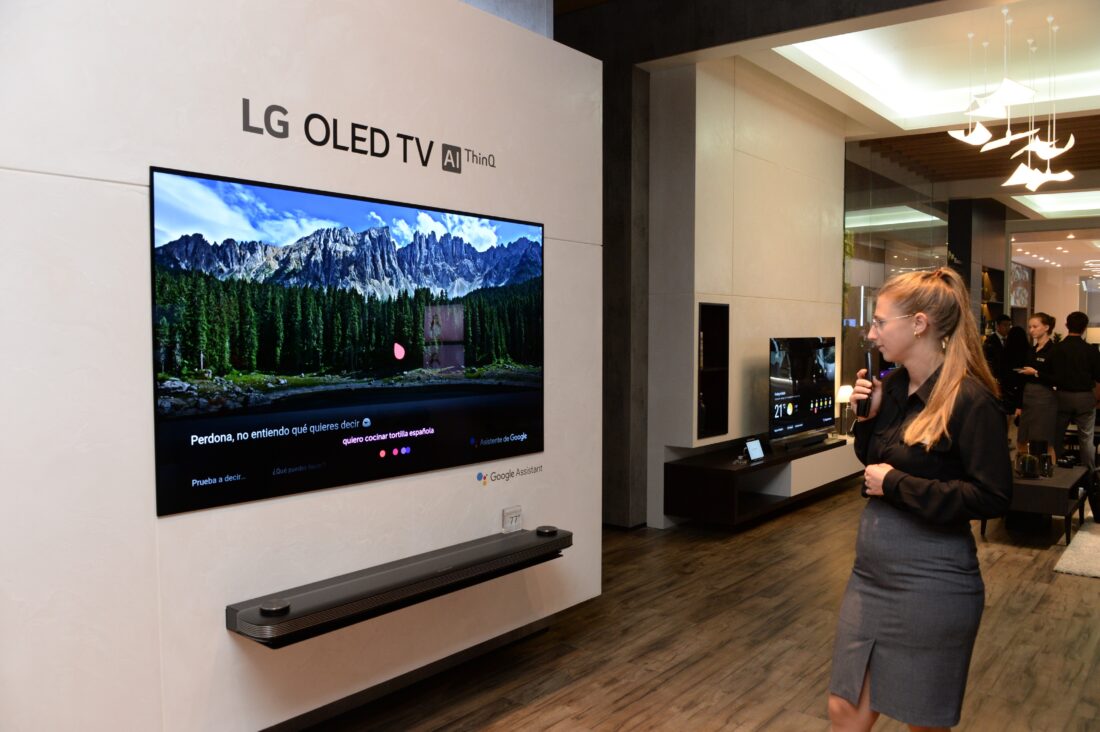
(511, 519)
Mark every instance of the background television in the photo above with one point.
(304, 339)
(801, 386)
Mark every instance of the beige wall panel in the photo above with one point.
(1058, 293)
(78, 528)
(714, 180)
(777, 231)
(779, 123)
(830, 252)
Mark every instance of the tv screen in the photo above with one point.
(802, 385)
(304, 339)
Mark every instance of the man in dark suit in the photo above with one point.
(1076, 369)
(994, 350)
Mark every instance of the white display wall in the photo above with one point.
(747, 209)
(114, 619)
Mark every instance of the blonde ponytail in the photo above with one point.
(941, 295)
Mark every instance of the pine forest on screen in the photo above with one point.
(261, 291)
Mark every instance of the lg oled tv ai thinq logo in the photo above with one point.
(322, 130)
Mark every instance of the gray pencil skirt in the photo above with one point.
(1038, 414)
(909, 617)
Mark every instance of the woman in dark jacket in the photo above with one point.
(1039, 406)
(936, 452)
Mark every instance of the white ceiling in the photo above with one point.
(918, 76)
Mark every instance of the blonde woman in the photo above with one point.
(936, 456)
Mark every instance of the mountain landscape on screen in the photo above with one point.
(368, 262)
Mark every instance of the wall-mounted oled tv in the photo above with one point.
(304, 339)
(801, 385)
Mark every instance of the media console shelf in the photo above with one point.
(715, 488)
(288, 616)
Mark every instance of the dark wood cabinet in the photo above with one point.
(716, 488)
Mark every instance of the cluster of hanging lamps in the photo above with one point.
(999, 102)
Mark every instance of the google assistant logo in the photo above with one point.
(483, 478)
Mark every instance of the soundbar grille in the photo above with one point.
(396, 595)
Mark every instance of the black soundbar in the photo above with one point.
(289, 616)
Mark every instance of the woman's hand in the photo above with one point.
(865, 389)
(873, 476)
(1029, 371)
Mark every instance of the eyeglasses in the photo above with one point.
(879, 323)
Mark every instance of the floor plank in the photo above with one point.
(700, 628)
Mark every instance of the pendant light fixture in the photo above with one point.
(976, 133)
(1008, 92)
(1032, 178)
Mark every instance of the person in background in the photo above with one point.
(936, 456)
(1076, 367)
(995, 349)
(1016, 350)
(1039, 405)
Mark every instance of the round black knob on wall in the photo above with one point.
(274, 607)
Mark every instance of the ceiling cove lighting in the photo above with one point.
(1063, 205)
(890, 217)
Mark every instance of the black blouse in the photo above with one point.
(1039, 359)
(966, 475)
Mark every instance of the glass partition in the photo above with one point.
(893, 223)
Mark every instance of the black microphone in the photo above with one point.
(863, 406)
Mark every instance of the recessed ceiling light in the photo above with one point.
(1070, 236)
(1058, 248)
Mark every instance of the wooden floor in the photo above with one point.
(704, 629)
